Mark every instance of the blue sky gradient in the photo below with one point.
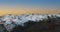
(29, 6)
(42, 3)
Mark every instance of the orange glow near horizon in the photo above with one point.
(17, 11)
(28, 12)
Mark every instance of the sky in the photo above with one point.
(43, 3)
(9, 6)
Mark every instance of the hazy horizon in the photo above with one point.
(29, 6)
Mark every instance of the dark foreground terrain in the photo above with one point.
(50, 25)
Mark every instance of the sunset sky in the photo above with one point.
(29, 6)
